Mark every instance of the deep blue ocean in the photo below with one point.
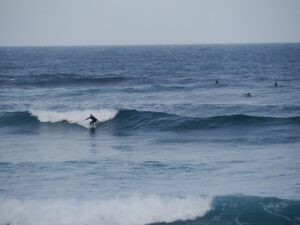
(177, 140)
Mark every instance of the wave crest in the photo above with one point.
(74, 117)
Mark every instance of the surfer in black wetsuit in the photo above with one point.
(94, 120)
(248, 94)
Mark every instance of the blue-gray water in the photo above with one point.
(171, 145)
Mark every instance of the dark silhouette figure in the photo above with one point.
(217, 81)
(94, 120)
(275, 84)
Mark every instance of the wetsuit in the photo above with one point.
(94, 120)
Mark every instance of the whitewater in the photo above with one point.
(177, 140)
(73, 117)
(136, 210)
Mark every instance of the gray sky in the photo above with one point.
(118, 22)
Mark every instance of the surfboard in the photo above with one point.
(93, 127)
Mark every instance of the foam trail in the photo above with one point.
(135, 210)
(75, 117)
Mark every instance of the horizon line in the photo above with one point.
(146, 44)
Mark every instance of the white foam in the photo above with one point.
(135, 210)
(74, 117)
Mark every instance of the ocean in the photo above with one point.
(178, 140)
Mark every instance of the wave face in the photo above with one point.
(248, 210)
(131, 120)
(136, 210)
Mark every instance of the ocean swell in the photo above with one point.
(60, 79)
(163, 121)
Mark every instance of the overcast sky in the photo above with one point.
(122, 22)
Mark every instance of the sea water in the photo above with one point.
(172, 145)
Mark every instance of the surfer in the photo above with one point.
(217, 81)
(94, 120)
(248, 94)
(275, 84)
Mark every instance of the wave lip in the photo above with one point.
(134, 210)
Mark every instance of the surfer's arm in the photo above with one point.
(87, 118)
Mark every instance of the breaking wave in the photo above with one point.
(136, 210)
(42, 116)
(146, 120)
(152, 209)
(73, 117)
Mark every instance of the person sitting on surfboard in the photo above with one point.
(94, 120)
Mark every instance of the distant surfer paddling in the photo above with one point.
(94, 120)
(248, 95)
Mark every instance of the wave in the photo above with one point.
(53, 117)
(249, 210)
(61, 79)
(152, 209)
(135, 210)
(131, 120)
(163, 121)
